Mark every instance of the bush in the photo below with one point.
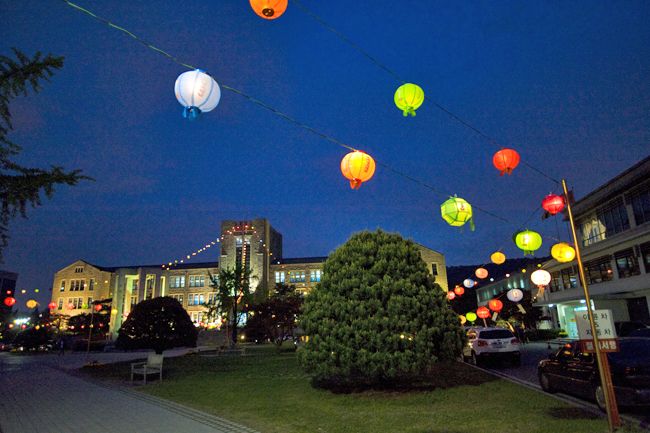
(377, 318)
(159, 324)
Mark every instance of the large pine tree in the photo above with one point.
(21, 186)
(377, 317)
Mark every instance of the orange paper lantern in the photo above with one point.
(482, 312)
(481, 273)
(358, 167)
(459, 290)
(495, 305)
(451, 295)
(505, 161)
(269, 9)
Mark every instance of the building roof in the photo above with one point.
(178, 266)
(299, 260)
(624, 181)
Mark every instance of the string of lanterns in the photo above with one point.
(189, 256)
(197, 92)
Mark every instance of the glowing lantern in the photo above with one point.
(481, 273)
(495, 305)
(482, 312)
(408, 98)
(469, 283)
(98, 308)
(553, 203)
(540, 277)
(563, 252)
(457, 212)
(51, 305)
(471, 316)
(459, 290)
(451, 295)
(505, 161)
(31, 303)
(269, 9)
(358, 167)
(9, 301)
(498, 258)
(529, 241)
(197, 92)
(462, 319)
(70, 306)
(515, 295)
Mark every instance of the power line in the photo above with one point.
(395, 75)
(274, 110)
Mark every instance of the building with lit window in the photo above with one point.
(613, 224)
(255, 245)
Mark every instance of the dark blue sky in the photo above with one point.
(564, 83)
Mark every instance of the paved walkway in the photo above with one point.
(37, 396)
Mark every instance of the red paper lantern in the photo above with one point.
(459, 290)
(482, 312)
(553, 203)
(505, 161)
(451, 295)
(9, 301)
(51, 305)
(98, 308)
(495, 305)
(70, 306)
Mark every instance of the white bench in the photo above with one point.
(153, 365)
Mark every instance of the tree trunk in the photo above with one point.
(234, 323)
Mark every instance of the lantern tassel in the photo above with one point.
(355, 183)
(191, 113)
(472, 227)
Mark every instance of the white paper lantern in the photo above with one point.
(469, 283)
(540, 277)
(515, 295)
(197, 92)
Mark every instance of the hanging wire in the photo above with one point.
(385, 68)
(269, 107)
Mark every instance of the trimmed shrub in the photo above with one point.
(377, 318)
(159, 324)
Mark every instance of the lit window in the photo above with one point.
(176, 282)
(315, 275)
(197, 280)
(62, 286)
(279, 277)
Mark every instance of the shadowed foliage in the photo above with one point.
(159, 324)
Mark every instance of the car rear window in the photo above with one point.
(496, 333)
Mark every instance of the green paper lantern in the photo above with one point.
(471, 316)
(408, 98)
(457, 212)
(528, 241)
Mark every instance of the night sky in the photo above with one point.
(564, 83)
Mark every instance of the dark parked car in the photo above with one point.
(623, 329)
(574, 372)
(644, 332)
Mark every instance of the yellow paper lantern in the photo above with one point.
(457, 212)
(498, 258)
(408, 98)
(31, 303)
(463, 319)
(357, 167)
(563, 252)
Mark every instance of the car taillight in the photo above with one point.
(630, 371)
(514, 341)
(482, 343)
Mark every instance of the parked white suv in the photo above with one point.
(491, 343)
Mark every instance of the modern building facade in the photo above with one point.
(255, 245)
(613, 224)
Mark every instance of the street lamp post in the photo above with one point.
(613, 417)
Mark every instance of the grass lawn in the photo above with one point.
(268, 391)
